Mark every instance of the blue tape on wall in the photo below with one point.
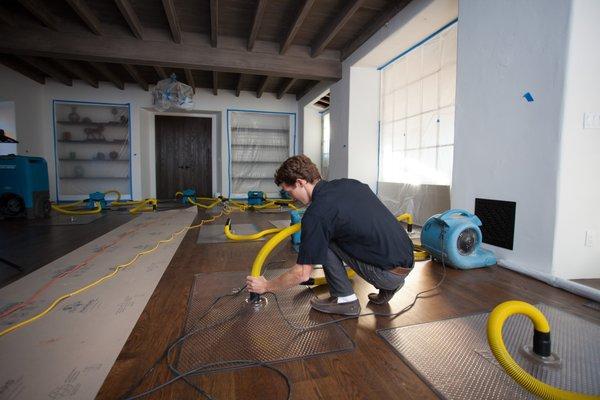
(527, 96)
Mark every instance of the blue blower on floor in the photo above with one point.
(24, 187)
(256, 198)
(188, 194)
(456, 234)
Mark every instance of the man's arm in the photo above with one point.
(294, 276)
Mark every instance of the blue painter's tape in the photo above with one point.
(527, 96)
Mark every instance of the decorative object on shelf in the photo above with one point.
(66, 136)
(100, 156)
(113, 155)
(86, 120)
(72, 155)
(73, 116)
(78, 171)
(169, 93)
(94, 133)
(124, 120)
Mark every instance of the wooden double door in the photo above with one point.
(183, 155)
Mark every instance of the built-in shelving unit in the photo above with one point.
(259, 143)
(92, 149)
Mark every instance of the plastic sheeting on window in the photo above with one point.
(259, 144)
(170, 93)
(92, 149)
(417, 114)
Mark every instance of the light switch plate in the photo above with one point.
(591, 120)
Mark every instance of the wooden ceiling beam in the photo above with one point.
(306, 89)
(136, 76)
(160, 71)
(17, 67)
(215, 82)
(238, 87)
(214, 22)
(76, 70)
(48, 69)
(131, 17)
(40, 11)
(86, 14)
(108, 74)
(7, 17)
(343, 17)
(377, 23)
(174, 24)
(261, 87)
(200, 55)
(300, 17)
(287, 85)
(261, 5)
(189, 77)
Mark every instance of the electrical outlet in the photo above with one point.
(590, 238)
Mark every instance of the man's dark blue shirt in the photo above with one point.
(347, 212)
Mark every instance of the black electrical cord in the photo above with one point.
(178, 375)
(199, 370)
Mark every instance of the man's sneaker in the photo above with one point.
(331, 306)
(383, 297)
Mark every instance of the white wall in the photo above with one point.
(313, 134)
(7, 118)
(27, 97)
(578, 191)
(33, 105)
(363, 125)
(506, 148)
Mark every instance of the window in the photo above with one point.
(417, 113)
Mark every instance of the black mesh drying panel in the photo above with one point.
(253, 333)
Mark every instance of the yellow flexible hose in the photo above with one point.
(209, 206)
(264, 252)
(71, 205)
(420, 253)
(494, 334)
(75, 212)
(233, 236)
(126, 203)
(146, 205)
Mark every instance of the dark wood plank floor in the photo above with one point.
(31, 245)
(371, 371)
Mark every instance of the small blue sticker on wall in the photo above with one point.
(527, 96)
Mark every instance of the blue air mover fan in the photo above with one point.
(256, 198)
(456, 234)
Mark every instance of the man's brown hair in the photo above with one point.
(297, 167)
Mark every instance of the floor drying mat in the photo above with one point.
(61, 219)
(249, 333)
(454, 358)
(216, 233)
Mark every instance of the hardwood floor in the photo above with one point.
(371, 371)
(31, 245)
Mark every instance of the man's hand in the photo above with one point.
(257, 284)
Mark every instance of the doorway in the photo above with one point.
(183, 155)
